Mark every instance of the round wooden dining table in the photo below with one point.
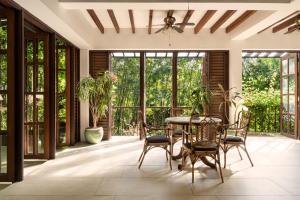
(184, 121)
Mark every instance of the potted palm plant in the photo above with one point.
(201, 96)
(98, 92)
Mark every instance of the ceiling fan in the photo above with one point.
(170, 24)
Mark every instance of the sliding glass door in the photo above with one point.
(36, 64)
(289, 67)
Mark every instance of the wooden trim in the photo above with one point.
(72, 97)
(96, 20)
(186, 19)
(142, 85)
(204, 20)
(150, 21)
(131, 20)
(114, 20)
(240, 20)
(52, 97)
(285, 24)
(278, 21)
(222, 20)
(174, 81)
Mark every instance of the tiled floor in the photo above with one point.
(108, 171)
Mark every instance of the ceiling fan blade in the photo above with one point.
(179, 30)
(186, 24)
(158, 25)
(161, 29)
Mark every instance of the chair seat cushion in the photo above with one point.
(232, 138)
(158, 139)
(202, 146)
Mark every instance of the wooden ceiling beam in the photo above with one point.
(204, 20)
(131, 20)
(96, 20)
(291, 29)
(150, 21)
(278, 21)
(240, 20)
(186, 19)
(285, 24)
(114, 20)
(222, 20)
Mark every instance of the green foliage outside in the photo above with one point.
(158, 79)
(261, 90)
(3, 75)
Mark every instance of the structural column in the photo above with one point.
(84, 106)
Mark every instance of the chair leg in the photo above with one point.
(143, 158)
(220, 168)
(170, 159)
(245, 149)
(239, 152)
(225, 151)
(166, 153)
(193, 171)
(142, 152)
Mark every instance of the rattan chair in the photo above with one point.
(235, 135)
(161, 141)
(201, 141)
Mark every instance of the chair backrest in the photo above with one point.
(142, 124)
(243, 122)
(208, 129)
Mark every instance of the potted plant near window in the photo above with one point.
(201, 96)
(98, 92)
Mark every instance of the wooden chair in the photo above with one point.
(202, 141)
(162, 141)
(236, 134)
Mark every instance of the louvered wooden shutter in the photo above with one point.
(99, 62)
(218, 73)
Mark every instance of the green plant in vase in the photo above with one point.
(98, 92)
(201, 97)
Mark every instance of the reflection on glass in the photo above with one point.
(285, 85)
(292, 83)
(285, 67)
(40, 107)
(29, 78)
(62, 108)
(29, 108)
(285, 123)
(41, 139)
(30, 51)
(3, 33)
(40, 81)
(62, 132)
(30, 137)
(61, 81)
(291, 66)
(189, 74)
(292, 124)
(3, 96)
(292, 104)
(41, 51)
(61, 58)
(3, 72)
(3, 112)
(285, 103)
